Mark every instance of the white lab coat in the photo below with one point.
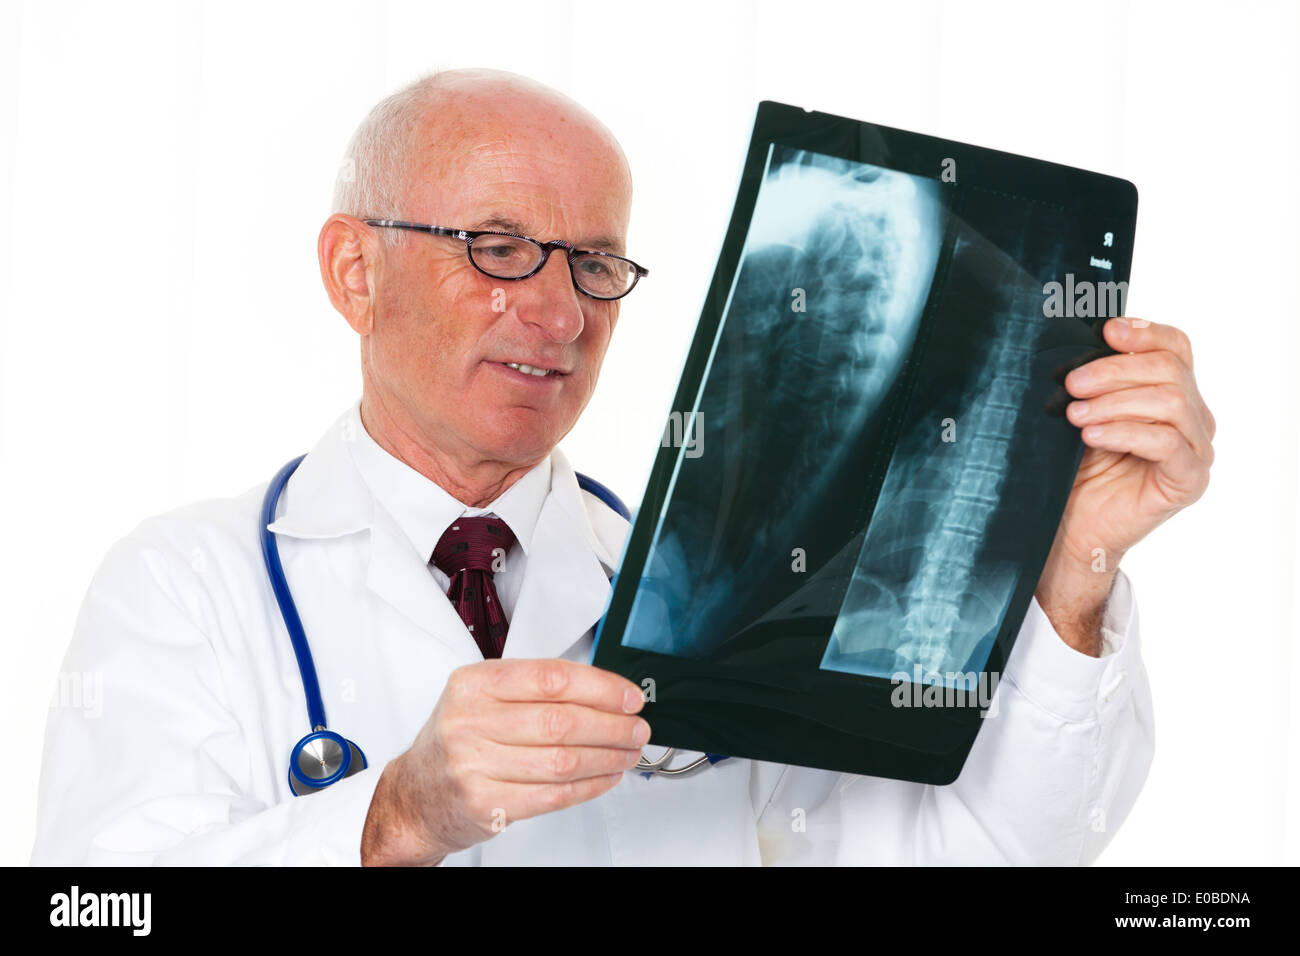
(185, 761)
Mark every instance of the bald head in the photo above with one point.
(416, 137)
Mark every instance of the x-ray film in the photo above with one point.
(867, 457)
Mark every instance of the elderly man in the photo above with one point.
(487, 740)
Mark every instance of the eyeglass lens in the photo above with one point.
(507, 257)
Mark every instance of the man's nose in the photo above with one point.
(552, 302)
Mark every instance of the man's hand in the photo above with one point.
(508, 739)
(1149, 453)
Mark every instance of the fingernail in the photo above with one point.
(1093, 432)
(1079, 409)
(631, 701)
(641, 734)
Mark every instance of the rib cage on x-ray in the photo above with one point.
(860, 243)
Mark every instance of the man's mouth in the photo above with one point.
(535, 370)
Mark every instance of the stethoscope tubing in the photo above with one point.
(283, 597)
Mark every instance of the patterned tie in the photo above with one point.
(469, 552)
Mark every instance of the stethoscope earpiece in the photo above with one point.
(322, 758)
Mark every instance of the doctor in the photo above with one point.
(498, 745)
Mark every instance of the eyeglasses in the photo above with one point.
(504, 255)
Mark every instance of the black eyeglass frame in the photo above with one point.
(468, 236)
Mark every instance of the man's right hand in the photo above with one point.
(509, 739)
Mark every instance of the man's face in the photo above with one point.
(443, 331)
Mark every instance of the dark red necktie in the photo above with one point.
(469, 552)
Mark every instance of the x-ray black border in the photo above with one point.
(711, 707)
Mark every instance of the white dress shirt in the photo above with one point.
(424, 510)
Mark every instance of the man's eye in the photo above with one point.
(595, 267)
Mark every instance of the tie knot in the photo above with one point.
(478, 544)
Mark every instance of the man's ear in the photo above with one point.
(347, 250)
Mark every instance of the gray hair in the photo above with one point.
(377, 165)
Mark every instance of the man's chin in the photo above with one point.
(517, 433)
(519, 447)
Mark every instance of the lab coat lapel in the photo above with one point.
(566, 587)
(399, 576)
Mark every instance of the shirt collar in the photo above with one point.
(424, 510)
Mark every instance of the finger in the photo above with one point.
(1065, 368)
(557, 723)
(1117, 372)
(1156, 442)
(1147, 403)
(560, 680)
(524, 800)
(1126, 371)
(1127, 334)
(554, 764)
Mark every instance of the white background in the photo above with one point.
(165, 168)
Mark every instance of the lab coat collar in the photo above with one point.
(564, 591)
(326, 497)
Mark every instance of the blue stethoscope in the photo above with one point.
(324, 757)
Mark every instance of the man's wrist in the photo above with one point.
(1075, 604)
(384, 838)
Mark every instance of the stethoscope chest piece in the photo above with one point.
(322, 758)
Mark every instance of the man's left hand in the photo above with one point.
(1149, 449)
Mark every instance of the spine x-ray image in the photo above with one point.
(852, 354)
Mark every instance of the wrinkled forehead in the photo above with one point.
(550, 174)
